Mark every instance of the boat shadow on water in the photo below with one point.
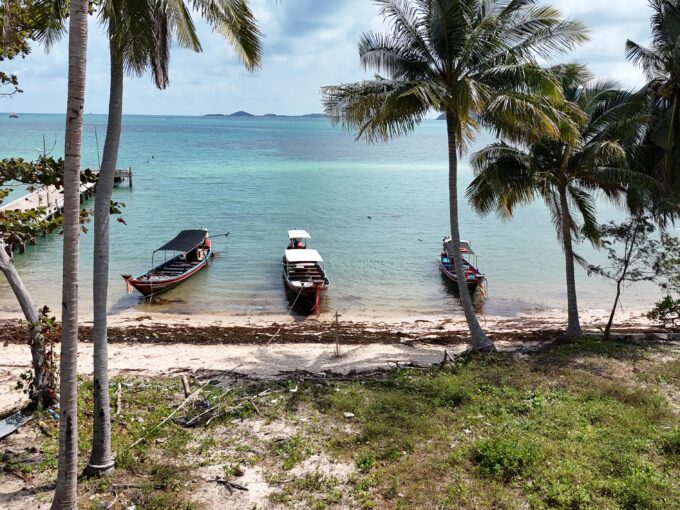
(451, 288)
(303, 305)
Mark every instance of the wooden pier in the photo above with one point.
(122, 174)
(52, 200)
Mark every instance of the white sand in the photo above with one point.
(252, 360)
(404, 321)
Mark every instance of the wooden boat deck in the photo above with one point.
(306, 273)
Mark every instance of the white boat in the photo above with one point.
(13, 116)
(303, 269)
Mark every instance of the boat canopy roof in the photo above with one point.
(295, 256)
(298, 234)
(185, 241)
(465, 247)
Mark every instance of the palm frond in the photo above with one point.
(502, 180)
(540, 31)
(49, 18)
(381, 109)
(649, 61)
(407, 25)
(234, 20)
(386, 55)
(585, 205)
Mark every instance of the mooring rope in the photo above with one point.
(289, 311)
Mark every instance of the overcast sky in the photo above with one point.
(308, 43)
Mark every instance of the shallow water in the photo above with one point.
(377, 214)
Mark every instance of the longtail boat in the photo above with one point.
(303, 269)
(191, 250)
(474, 278)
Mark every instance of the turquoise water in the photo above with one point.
(377, 214)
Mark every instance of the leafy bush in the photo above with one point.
(506, 457)
(671, 443)
(644, 488)
(365, 460)
(666, 312)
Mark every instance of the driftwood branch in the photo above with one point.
(230, 485)
(169, 417)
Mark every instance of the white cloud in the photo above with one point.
(308, 43)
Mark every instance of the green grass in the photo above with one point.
(556, 430)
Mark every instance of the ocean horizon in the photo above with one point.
(376, 213)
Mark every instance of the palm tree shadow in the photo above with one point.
(24, 494)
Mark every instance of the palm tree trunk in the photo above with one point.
(43, 392)
(66, 494)
(101, 458)
(480, 342)
(574, 326)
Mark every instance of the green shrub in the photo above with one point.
(642, 489)
(506, 457)
(365, 460)
(671, 443)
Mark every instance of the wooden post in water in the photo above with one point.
(130, 177)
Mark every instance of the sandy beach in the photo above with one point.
(275, 346)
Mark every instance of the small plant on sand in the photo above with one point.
(292, 450)
(506, 457)
(667, 265)
(365, 461)
(671, 443)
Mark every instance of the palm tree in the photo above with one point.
(140, 34)
(65, 496)
(567, 174)
(473, 60)
(661, 65)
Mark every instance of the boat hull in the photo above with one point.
(472, 285)
(150, 288)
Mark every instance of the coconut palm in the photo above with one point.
(65, 496)
(140, 34)
(473, 60)
(661, 65)
(566, 174)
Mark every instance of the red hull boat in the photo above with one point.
(192, 250)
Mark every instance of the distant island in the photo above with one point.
(442, 117)
(241, 113)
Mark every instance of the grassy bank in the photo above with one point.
(586, 425)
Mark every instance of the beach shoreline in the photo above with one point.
(397, 321)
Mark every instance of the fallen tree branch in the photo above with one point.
(168, 417)
(230, 485)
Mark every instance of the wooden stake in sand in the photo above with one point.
(118, 399)
(185, 385)
(337, 335)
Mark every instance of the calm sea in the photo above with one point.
(377, 214)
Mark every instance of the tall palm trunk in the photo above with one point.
(480, 342)
(65, 496)
(574, 326)
(101, 459)
(43, 392)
